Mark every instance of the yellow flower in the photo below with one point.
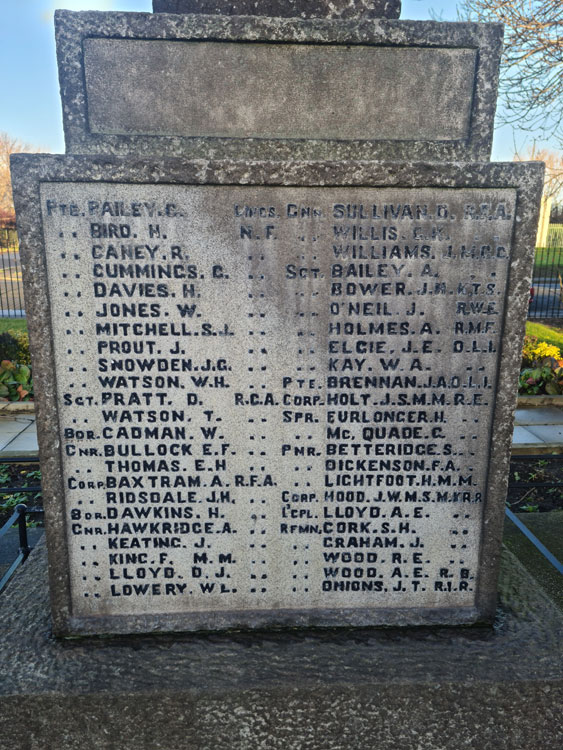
(543, 349)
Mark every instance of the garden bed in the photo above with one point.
(19, 475)
(536, 472)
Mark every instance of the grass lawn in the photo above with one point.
(13, 324)
(545, 333)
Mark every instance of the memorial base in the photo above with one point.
(325, 690)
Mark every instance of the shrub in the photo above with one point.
(16, 382)
(545, 379)
(535, 351)
(14, 346)
(542, 368)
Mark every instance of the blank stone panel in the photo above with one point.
(213, 86)
(304, 91)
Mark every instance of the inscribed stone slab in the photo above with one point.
(276, 402)
(285, 8)
(253, 87)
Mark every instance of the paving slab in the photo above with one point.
(22, 446)
(542, 416)
(551, 433)
(13, 430)
(11, 425)
(523, 435)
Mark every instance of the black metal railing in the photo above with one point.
(547, 283)
(21, 515)
(11, 287)
(549, 556)
(547, 279)
(529, 486)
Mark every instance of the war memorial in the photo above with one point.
(276, 292)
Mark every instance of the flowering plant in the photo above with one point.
(535, 351)
(543, 368)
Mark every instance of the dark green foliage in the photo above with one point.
(14, 346)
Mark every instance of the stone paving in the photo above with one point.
(543, 425)
(18, 434)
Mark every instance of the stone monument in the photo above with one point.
(276, 386)
(276, 292)
(252, 87)
(280, 386)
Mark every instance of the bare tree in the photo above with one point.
(532, 68)
(553, 186)
(9, 145)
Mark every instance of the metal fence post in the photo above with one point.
(22, 527)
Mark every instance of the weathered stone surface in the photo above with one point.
(285, 8)
(489, 689)
(304, 91)
(248, 282)
(311, 89)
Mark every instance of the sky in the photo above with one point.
(30, 106)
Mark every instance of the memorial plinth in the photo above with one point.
(335, 690)
(250, 87)
(284, 391)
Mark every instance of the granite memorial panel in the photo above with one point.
(285, 8)
(282, 392)
(210, 86)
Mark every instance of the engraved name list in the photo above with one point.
(273, 397)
